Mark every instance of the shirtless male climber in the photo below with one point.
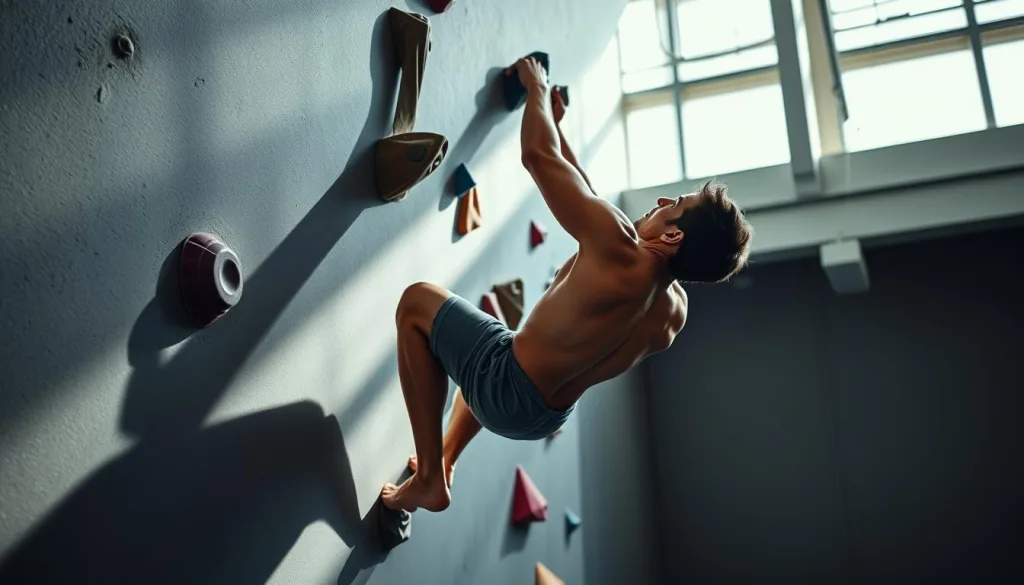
(615, 302)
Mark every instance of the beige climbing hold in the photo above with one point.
(404, 160)
(544, 576)
(489, 304)
(411, 34)
(468, 217)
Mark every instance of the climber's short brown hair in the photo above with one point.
(716, 238)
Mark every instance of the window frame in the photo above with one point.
(705, 86)
(930, 44)
(973, 34)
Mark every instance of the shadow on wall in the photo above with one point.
(174, 397)
(226, 502)
(489, 111)
(223, 503)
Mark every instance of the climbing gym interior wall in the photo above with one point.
(805, 436)
(136, 447)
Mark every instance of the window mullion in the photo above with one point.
(677, 90)
(979, 63)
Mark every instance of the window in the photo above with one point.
(653, 146)
(911, 100)
(702, 96)
(990, 11)
(645, 63)
(710, 64)
(1004, 60)
(866, 23)
(738, 130)
(917, 69)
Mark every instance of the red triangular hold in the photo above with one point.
(491, 307)
(528, 504)
(537, 234)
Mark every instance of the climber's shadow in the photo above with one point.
(490, 110)
(221, 505)
(223, 502)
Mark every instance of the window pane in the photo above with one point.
(1003, 64)
(893, 30)
(739, 130)
(850, 14)
(996, 10)
(649, 79)
(756, 58)
(911, 100)
(639, 38)
(714, 26)
(653, 143)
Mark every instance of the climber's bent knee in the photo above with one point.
(418, 305)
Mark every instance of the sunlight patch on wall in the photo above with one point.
(308, 556)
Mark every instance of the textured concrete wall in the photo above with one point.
(133, 449)
(808, 437)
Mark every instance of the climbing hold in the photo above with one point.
(544, 576)
(550, 281)
(572, 521)
(124, 46)
(395, 526)
(510, 299)
(537, 234)
(468, 216)
(210, 277)
(490, 305)
(463, 181)
(515, 92)
(441, 5)
(411, 34)
(528, 503)
(564, 91)
(405, 160)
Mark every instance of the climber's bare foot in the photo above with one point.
(417, 492)
(449, 469)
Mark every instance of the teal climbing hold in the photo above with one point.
(572, 521)
(463, 180)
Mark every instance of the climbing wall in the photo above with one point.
(137, 446)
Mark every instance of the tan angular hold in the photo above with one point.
(404, 160)
(411, 34)
(510, 298)
(544, 576)
(489, 304)
(469, 213)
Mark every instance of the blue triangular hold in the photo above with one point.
(572, 521)
(463, 180)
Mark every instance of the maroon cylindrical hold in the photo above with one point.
(441, 5)
(211, 278)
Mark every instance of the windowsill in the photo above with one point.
(891, 167)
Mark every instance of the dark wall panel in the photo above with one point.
(868, 438)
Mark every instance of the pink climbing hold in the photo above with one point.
(492, 308)
(537, 234)
(528, 504)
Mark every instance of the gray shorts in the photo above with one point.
(476, 351)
